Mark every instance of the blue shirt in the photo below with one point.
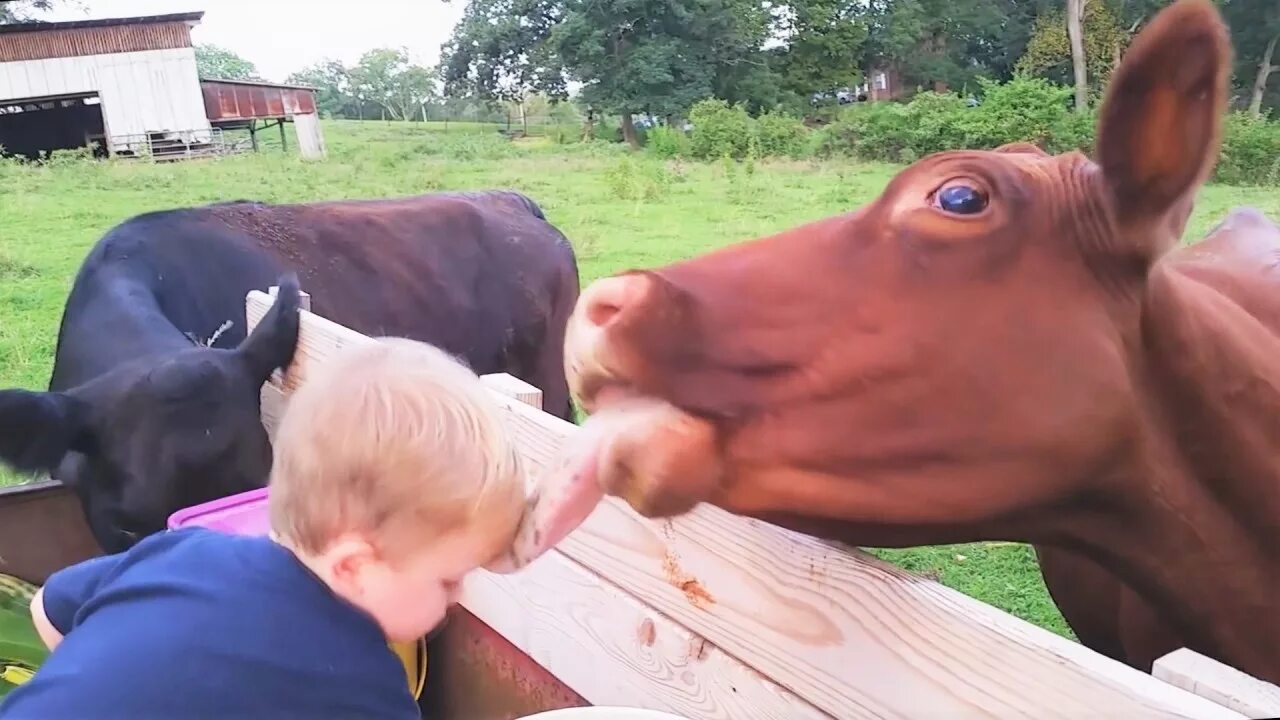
(195, 623)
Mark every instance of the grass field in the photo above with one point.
(619, 211)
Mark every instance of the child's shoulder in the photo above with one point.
(192, 539)
(196, 548)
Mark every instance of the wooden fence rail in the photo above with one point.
(713, 615)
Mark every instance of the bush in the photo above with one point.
(1250, 151)
(781, 135)
(636, 180)
(1025, 109)
(667, 142)
(719, 130)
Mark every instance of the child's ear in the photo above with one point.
(348, 562)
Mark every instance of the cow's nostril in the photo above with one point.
(608, 298)
(600, 313)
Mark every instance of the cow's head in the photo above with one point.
(157, 434)
(954, 357)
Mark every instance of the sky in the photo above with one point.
(281, 36)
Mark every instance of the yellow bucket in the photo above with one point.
(413, 655)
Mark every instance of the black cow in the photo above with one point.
(153, 403)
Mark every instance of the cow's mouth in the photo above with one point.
(658, 458)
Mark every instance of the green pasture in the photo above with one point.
(620, 211)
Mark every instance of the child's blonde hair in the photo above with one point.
(398, 441)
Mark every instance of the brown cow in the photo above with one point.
(1003, 345)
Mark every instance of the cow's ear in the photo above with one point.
(1161, 123)
(38, 429)
(272, 343)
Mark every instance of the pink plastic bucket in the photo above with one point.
(243, 514)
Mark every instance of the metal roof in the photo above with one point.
(256, 83)
(192, 18)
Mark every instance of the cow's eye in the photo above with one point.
(961, 199)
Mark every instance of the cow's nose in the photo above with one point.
(589, 346)
(607, 300)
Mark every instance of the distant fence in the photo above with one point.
(166, 146)
(714, 615)
(463, 121)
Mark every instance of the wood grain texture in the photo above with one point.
(1220, 683)
(513, 387)
(614, 650)
(853, 636)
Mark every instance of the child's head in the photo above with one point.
(393, 477)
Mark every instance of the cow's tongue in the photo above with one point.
(658, 458)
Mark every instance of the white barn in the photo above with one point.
(119, 85)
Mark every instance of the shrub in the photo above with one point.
(631, 178)
(1250, 151)
(781, 135)
(1025, 109)
(667, 142)
(873, 131)
(719, 130)
(565, 133)
(1073, 131)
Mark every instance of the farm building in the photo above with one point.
(126, 86)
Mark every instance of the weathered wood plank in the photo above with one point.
(1220, 683)
(513, 387)
(851, 635)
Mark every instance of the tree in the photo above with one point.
(1049, 51)
(948, 42)
(1079, 63)
(1255, 31)
(655, 56)
(12, 11)
(389, 78)
(332, 82)
(1265, 68)
(217, 63)
(501, 50)
(631, 56)
(825, 40)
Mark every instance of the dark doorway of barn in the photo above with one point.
(33, 127)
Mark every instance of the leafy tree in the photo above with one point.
(1255, 30)
(824, 45)
(632, 56)
(948, 42)
(213, 62)
(332, 82)
(1133, 14)
(1049, 52)
(1079, 64)
(502, 50)
(655, 56)
(13, 11)
(390, 79)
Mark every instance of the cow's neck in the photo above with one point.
(124, 324)
(1177, 542)
(1198, 500)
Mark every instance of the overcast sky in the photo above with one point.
(281, 36)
